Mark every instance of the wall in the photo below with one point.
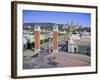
(5, 40)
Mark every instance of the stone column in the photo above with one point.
(55, 38)
(37, 38)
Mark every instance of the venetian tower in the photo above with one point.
(37, 38)
(55, 38)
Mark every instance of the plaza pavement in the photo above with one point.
(53, 60)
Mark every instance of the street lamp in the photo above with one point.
(28, 38)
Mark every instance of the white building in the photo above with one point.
(73, 43)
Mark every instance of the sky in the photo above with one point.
(30, 16)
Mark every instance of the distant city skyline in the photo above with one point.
(31, 16)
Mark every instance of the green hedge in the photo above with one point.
(44, 41)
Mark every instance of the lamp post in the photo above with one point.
(28, 38)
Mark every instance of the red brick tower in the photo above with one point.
(37, 38)
(55, 38)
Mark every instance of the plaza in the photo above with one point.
(54, 60)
